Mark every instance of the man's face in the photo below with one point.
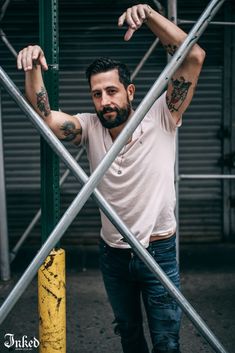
(111, 99)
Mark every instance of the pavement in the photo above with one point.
(208, 283)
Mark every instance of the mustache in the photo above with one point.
(109, 110)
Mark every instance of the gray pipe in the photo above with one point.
(3, 9)
(206, 176)
(4, 245)
(216, 23)
(7, 43)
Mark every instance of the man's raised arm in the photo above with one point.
(32, 60)
(182, 85)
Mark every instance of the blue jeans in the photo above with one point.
(126, 279)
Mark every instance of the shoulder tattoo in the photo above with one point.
(179, 94)
(69, 131)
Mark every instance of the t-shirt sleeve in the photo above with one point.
(85, 121)
(162, 114)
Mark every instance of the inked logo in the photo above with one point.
(20, 344)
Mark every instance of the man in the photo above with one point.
(140, 183)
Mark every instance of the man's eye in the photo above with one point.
(112, 91)
(96, 95)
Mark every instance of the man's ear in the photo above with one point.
(131, 92)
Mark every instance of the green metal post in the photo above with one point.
(50, 193)
(51, 276)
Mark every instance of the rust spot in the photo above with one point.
(58, 303)
(50, 262)
(50, 292)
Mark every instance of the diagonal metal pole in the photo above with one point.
(145, 58)
(5, 271)
(76, 205)
(7, 43)
(3, 9)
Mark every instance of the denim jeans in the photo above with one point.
(126, 279)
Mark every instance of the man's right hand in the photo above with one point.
(29, 56)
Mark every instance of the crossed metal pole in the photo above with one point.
(92, 182)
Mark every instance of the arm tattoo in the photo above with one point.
(69, 131)
(42, 102)
(170, 48)
(178, 95)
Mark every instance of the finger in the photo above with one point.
(129, 34)
(39, 58)
(129, 19)
(135, 16)
(142, 13)
(36, 52)
(43, 62)
(24, 59)
(19, 58)
(121, 19)
(29, 59)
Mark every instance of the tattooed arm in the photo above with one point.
(65, 127)
(182, 86)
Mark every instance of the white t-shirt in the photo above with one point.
(139, 185)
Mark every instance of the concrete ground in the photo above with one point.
(208, 282)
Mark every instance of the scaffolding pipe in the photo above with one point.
(4, 246)
(37, 216)
(161, 10)
(79, 201)
(7, 43)
(216, 23)
(145, 58)
(172, 16)
(4, 8)
(159, 7)
(206, 176)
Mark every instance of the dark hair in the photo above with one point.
(107, 64)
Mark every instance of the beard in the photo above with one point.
(122, 115)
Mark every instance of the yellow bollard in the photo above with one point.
(51, 299)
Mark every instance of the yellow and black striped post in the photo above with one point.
(52, 303)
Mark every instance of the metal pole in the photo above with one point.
(206, 176)
(4, 246)
(108, 211)
(145, 58)
(50, 191)
(161, 10)
(96, 176)
(217, 23)
(172, 16)
(37, 216)
(7, 43)
(4, 8)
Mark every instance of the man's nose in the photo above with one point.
(105, 101)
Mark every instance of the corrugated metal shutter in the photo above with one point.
(200, 151)
(88, 31)
(200, 148)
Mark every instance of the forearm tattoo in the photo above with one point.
(42, 102)
(178, 95)
(170, 48)
(69, 131)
